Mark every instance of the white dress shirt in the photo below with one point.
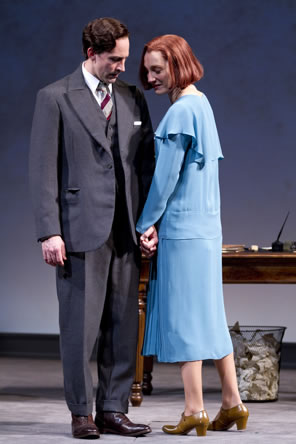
(93, 82)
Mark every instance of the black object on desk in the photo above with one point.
(278, 245)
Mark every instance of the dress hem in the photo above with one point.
(172, 361)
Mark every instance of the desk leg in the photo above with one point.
(136, 394)
(147, 377)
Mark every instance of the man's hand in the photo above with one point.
(54, 251)
(149, 240)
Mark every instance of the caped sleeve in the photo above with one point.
(196, 120)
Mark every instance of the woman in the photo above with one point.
(185, 312)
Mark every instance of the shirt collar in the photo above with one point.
(92, 81)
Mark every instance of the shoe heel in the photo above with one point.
(241, 423)
(201, 430)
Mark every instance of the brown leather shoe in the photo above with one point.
(84, 427)
(199, 421)
(119, 424)
(226, 418)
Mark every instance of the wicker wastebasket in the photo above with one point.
(257, 354)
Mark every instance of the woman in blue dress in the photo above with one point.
(186, 320)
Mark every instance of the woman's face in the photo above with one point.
(157, 72)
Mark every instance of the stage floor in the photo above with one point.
(32, 409)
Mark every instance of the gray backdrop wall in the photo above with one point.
(248, 49)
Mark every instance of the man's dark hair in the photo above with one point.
(101, 34)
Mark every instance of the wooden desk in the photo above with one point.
(259, 268)
(238, 268)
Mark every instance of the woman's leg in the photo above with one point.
(227, 373)
(192, 380)
(194, 417)
(232, 411)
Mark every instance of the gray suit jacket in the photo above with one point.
(72, 172)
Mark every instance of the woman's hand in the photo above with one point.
(149, 241)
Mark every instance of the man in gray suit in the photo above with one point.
(91, 164)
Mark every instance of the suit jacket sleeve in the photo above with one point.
(147, 150)
(43, 164)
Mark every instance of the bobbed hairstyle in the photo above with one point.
(101, 34)
(184, 67)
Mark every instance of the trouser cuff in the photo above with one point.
(112, 406)
(80, 409)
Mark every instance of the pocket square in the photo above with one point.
(137, 123)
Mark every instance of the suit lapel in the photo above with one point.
(85, 106)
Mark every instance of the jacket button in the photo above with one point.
(110, 166)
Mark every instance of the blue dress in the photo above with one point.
(185, 319)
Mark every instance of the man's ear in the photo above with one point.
(90, 53)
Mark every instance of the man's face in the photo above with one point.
(108, 65)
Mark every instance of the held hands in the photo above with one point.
(54, 251)
(148, 242)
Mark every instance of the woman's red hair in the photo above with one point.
(184, 67)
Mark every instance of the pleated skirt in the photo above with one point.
(185, 317)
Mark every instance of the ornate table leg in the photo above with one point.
(147, 377)
(136, 393)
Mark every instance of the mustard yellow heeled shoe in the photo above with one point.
(227, 417)
(199, 421)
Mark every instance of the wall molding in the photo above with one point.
(46, 346)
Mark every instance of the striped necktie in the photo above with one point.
(106, 101)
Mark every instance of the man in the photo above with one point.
(91, 164)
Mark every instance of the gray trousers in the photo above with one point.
(98, 299)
